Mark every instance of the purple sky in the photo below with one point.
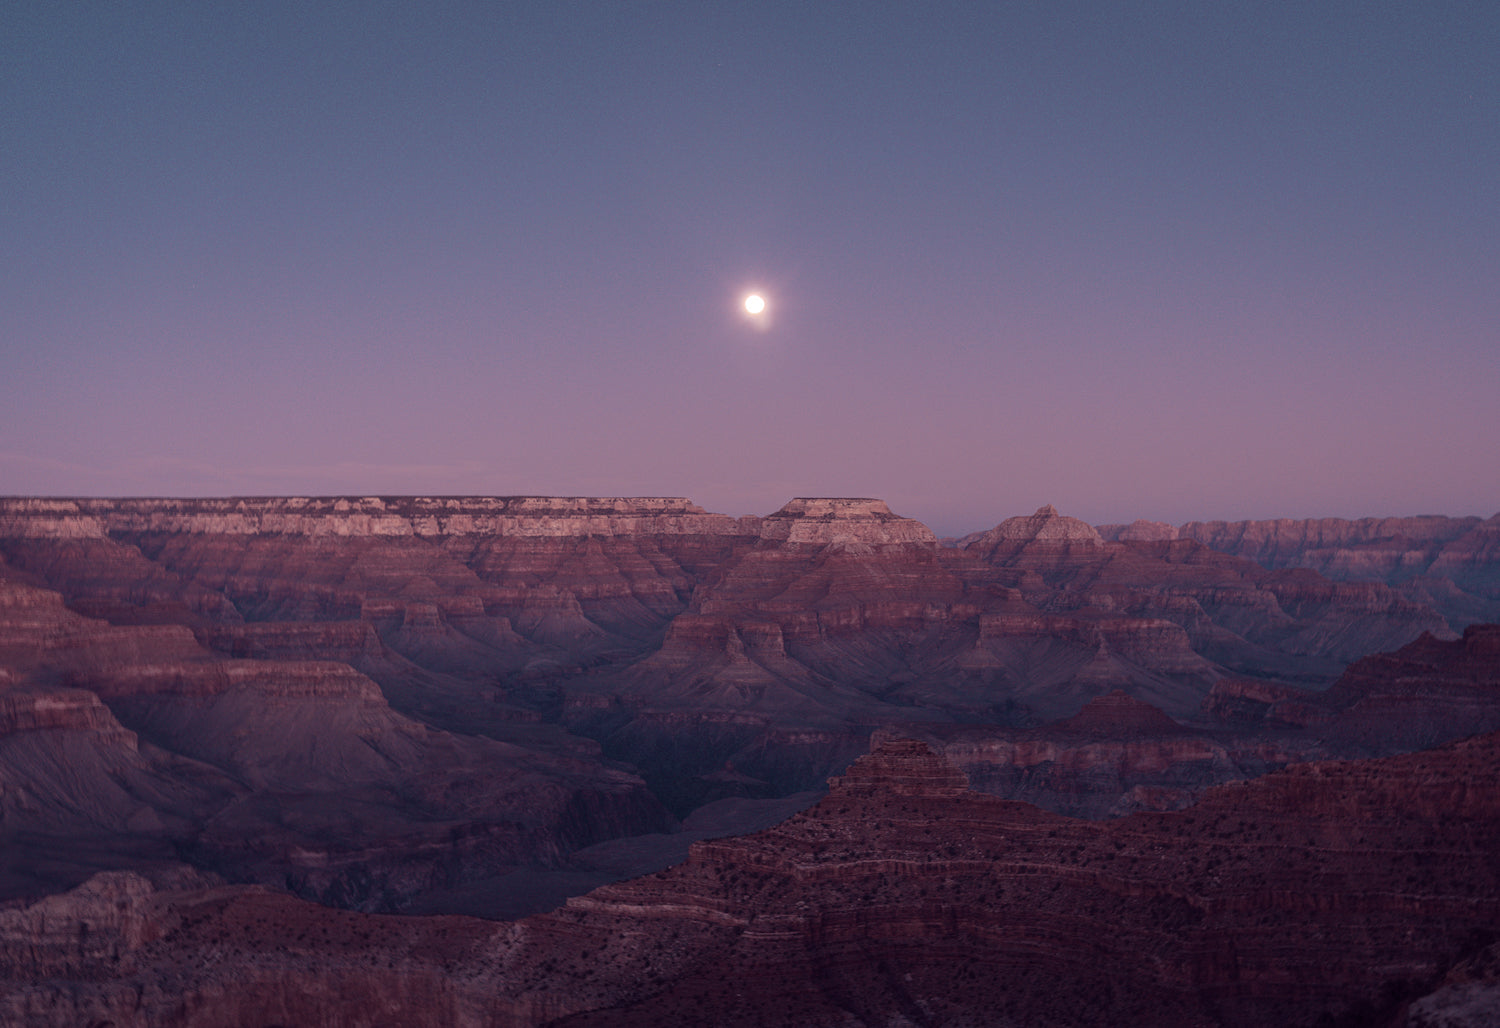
(1162, 260)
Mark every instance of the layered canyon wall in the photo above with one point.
(380, 699)
(1332, 893)
(1449, 563)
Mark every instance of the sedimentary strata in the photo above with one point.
(1330, 893)
(376, 699)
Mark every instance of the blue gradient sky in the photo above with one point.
(1163, 260)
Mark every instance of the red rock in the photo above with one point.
(823, 521)
(258, 767)
(1118, 714)
(1329, 893)
(1451, 563)
(339, 642)
(1138, 531)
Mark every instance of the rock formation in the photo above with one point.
(377, 700)
(1451, 564)
(827, 520)
(126, 746)
(1329, 893)
(1425, 693)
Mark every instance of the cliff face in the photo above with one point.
(1231, 612)
(1452, 564)
(827, 520)
(1281, 542)
(545, 588)
(1425, 693)
(903, 895)
(375, 697)
(126, 746)
(402, 516)
(1339, 893)
(1118, 755)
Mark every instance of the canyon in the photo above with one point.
(1344, 893)
(230, 719)
(1445, 562)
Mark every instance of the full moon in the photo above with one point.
(755, 303)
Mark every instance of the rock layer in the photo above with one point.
(342, 680)
(124, 746)
(1452, 564)
(1333, 893)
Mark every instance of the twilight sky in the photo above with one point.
(1163, 260)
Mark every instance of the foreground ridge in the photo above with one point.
(1332, 893)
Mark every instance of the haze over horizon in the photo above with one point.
(1176, 262)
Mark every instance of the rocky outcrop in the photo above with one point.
(1334, 893)
(1115, 756)
(1119, 714)
(55, 710)
(1425, 693)
(548, 589)
(1054, 663)
(432, 517)
(71, 773)
(41, 637)
(1283, 542)
(925, 899)
(1452, 564)
(1048, 541)
(173, 950)
(1196, 613)
(900, 767)
(1255, 704)
(127, 745)
(1289, 623)
(825, 521)
(1119, 754)
(1467, 997)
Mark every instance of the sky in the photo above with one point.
(1162, 260)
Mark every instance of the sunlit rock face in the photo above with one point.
(361, 516)
(834, 521)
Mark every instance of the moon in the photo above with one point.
(755, 303)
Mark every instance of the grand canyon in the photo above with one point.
(616, 761)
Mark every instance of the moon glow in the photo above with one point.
(755, 303)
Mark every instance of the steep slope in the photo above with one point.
(1451, 564)
(479, 680)
(1427, 692)
(1331, 893)
(123, 746)
(1115, 756)
(546, 594)
(787, 656)
(1119, 754)
(1286, 624)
